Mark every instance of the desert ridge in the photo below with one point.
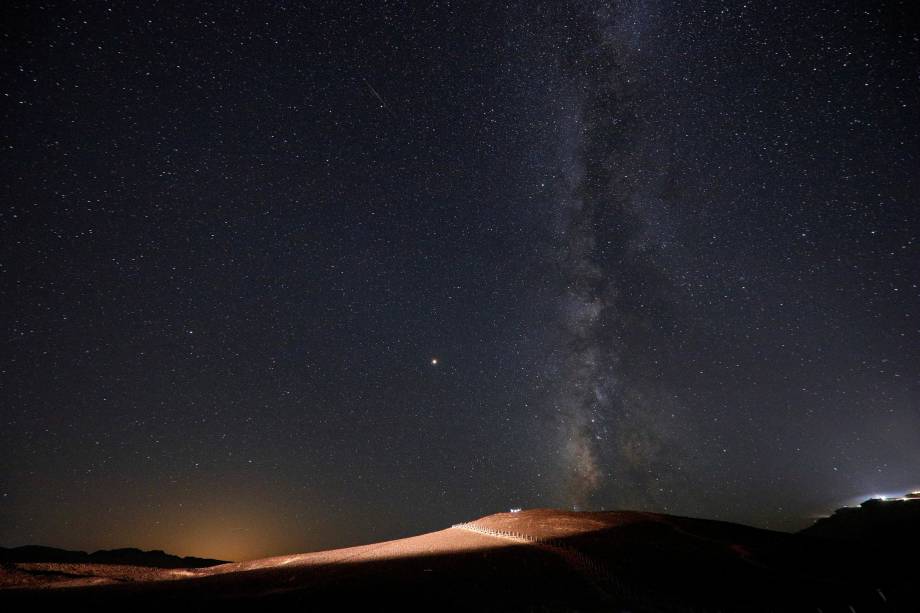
(559, 560)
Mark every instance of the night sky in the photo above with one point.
(277, 277)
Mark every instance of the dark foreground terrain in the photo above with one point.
(536, 560)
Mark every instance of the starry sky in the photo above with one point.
(278, 277)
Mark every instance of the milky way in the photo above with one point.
(616, 429)
(669, 243)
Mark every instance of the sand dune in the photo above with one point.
(532, 560)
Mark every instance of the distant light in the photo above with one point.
(887, 497)
(434, 361)
(515, 510)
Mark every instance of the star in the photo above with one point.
(434, 361)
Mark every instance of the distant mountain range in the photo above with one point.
(127, 556)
